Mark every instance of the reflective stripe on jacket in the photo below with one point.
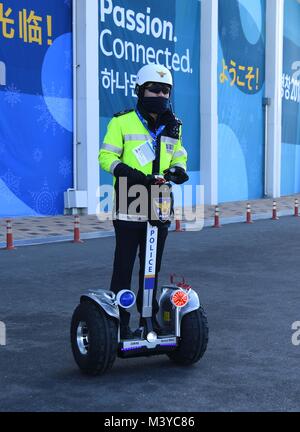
(124, 134)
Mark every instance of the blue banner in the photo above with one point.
(35, 106)
(241, 73)
(290, 154)
(132, 34)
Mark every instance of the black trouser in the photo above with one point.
(130, 236)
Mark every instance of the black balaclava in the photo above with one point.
(156, 104)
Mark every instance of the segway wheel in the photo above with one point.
(94, 338)
(194, 338)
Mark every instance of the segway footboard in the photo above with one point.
(141, 347)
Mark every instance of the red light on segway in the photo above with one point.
(179, 298)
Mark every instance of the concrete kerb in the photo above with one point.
(59, 239)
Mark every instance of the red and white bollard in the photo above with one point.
(177, 225)
(77, 230)
(9, 236)
(296, 213)
(274, 213)
(249, 215)
(217, 218)
(177, 220)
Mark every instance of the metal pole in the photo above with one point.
(177, 323)
(266, 103)
(74, 68)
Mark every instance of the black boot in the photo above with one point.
(160, 331)
(126, 332)
(155, 325)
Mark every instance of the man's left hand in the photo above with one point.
(176, 175)
(172, 124)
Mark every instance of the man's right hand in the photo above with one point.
(133, 175)
(155, 180)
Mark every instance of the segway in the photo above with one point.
(95, 326)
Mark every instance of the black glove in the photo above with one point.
(172, 123)
(133, 175)
(176, 175)
(155, 180)
(151, 180)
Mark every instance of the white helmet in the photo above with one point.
(153, 73)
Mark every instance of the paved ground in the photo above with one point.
(39, 230)
(248, 280)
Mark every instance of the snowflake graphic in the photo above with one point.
(234, 29)
(68, 60)
(44, 200)
(12, 95)
(37, 155)
(46, 117)
(67, 3)
(13, 184)
(65, 167)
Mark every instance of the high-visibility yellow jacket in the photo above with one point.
(124, 133)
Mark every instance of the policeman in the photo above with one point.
(139, 145)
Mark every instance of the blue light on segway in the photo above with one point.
(126, 299)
